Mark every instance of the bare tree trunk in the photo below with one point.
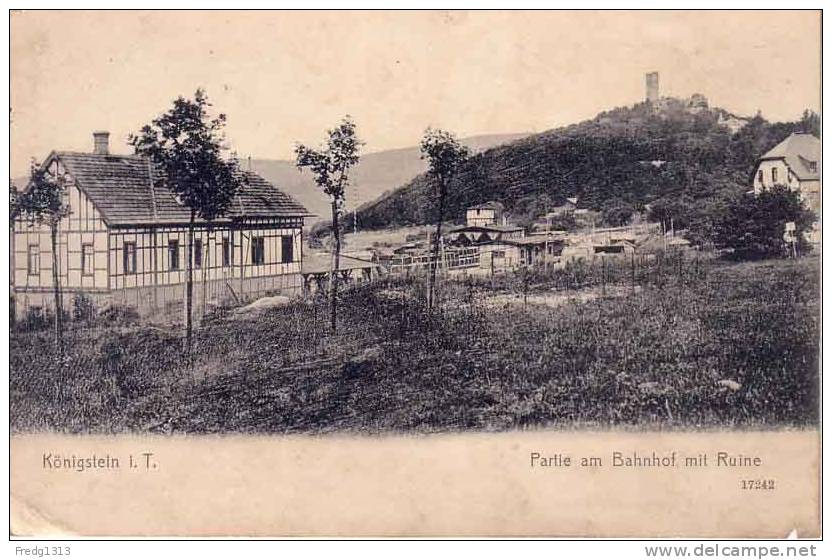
(206, 262)
(437, 238)
(335, 269)
(56, 287)
(189, 287)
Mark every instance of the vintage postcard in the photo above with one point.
(415, 274)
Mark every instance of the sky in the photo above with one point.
(286, 77)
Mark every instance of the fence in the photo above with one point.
(631, 270)
(449, 259)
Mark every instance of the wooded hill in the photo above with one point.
(635, 155)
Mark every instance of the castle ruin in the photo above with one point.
(651, 80)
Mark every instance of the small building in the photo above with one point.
(577, 252)
(491, 242)
(486, 214)
(537, 249)
(126, 236)
(411, 249)
(480, 235)
(569, 206)
(697, 103)
(589, 249)
(616, 248)
(679, 243)
(316, 270)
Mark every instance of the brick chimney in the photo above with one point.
(101, 143)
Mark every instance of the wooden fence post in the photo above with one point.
(681, 258)
(603, 277)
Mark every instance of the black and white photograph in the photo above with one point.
(450, 273)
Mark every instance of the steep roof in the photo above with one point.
(798, 150)
(126, 190)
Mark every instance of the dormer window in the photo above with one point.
(813, 166)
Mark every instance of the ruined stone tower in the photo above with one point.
(651, 80)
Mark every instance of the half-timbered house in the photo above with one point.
(125, 239)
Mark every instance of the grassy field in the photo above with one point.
(719, 345)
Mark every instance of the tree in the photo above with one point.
(673, 213)
(752, 226)
(44, 203)
(617, 213)
(331, 166)
(187, 146)
(14, 203)
(445, 155)
(14, 209)
(810, 122)
(704, 218)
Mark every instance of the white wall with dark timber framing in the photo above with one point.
(157, 265)
(82, 246)
(91, 255)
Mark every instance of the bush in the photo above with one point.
(83, 308)
(617, 213)
(35, 318)
(115, 313)
(752, 226)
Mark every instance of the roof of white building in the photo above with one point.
(126, 191)
(799, 150)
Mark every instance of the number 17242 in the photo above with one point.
(757, 484)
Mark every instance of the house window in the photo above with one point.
(227, 254)
(258, 250)
(173, 254)
(813, 166)
(33, 260)
(198, 253)
(129, 257)
(774, 175)
(287, 249)
(760, 176)
(87, 259)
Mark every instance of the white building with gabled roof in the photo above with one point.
(125, 239)
(793, 163)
